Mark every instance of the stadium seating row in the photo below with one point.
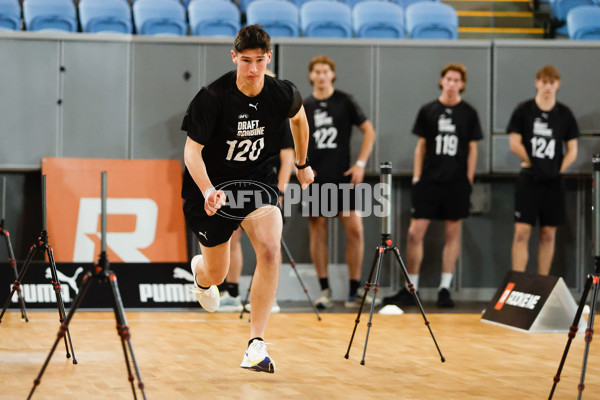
(581, 21)
(315, 18)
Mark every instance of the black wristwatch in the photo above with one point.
(306, 164)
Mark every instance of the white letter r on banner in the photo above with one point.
(125, 244)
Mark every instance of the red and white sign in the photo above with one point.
(145, 221)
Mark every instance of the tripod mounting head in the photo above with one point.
(102, 265)
(596, 209)
(3, 213)
(386, 193)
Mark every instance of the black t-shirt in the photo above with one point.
(543, 134)
(241, 135)
(330, 123)
(286, 142)
(447, 131)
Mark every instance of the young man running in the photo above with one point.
(233, 128)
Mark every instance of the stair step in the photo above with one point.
(487, 19)
(469, 5)
(490, 36)
(504, 22)
(499, 30)
(494, 14)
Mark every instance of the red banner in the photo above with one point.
(145, 221)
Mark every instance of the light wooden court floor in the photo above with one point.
(195, 355)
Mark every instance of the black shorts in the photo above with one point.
(243, 197)
(328, 199)
(441, 201)
(540, 200)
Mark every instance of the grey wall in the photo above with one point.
(124, 97)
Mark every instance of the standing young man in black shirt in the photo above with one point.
(443, 172)
(233, 128)
(331, 114)
(538, 129)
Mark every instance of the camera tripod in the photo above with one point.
(100, 272)
(592, 283)
(11, 255)
(41, 245)
(293, 265)
(373, 280)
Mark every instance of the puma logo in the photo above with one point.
(180, 273)
(203, 235)
(71, 281)
(254, 105)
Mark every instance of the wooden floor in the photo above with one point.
(193, 355)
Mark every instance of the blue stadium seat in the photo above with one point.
(300, 3)
(112, 16)
(279, 18)
(406, 3)
(330, 19)
(378, 19)
(214, 18)
(583, 23)
(560, 9)
(50, 15)
(10, 15)
(244, 4)
(431, 20)
(159, 17)
(352, 3)
(186, 3)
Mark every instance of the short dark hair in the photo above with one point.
(461, 69)
(548, 72)
(321, 60)
(252, 37)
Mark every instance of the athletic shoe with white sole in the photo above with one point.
(324, 301)
(257, 359)
(274, 310)
(229, 303)
(208, 298)
(354, 301)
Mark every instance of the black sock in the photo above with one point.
(253, 339)
(354, 284)
(324, 282)
(223, 287)
(233, 289)
(202, 287)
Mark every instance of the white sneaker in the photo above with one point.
(230, 304)
(354, 301)
(274, 310)
(208, 298)
(257, 359)
(324, 301)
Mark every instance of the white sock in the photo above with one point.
(446, 280)
(414, 279)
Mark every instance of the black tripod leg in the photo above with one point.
(293, 264)
(572, 332)
(589, 334)
(376, 261)
(375, 286)
(417, 300)
(245, 302)
(17, 283)
(123, 331)
(60, 304)
(64, 326)
(13, 264)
